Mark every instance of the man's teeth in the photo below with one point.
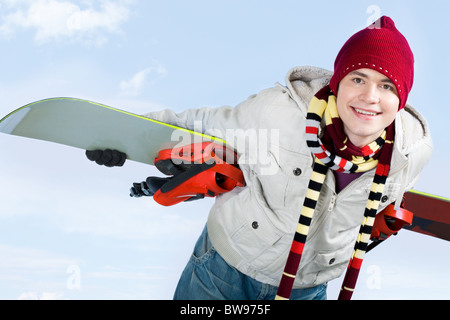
(365, 112)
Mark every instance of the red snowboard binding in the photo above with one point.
(196, 171)
(388, 222)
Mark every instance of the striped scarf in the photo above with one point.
(350, 159)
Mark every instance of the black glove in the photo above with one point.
(108, 158)
(147, 188)
(140, 190)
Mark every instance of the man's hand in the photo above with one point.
(147, 188)
(108, 158)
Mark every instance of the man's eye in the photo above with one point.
(357, 80)
(388, 87)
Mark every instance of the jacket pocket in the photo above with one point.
(390, 194)
(287, 187)
(253, 240)
(329, 265)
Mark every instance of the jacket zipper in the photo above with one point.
(332, 203)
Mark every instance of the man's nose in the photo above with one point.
(370, 94)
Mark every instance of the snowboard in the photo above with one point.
(431, 214)
(90, 126)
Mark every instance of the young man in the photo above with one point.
(347, 146)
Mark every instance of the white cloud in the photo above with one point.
(63, 19)
(134, 85)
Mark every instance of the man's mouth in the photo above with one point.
(365, 112)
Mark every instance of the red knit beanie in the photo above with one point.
(380, 47)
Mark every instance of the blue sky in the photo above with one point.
(68, 229)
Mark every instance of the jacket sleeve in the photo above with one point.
(227, 123)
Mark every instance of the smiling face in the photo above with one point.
(367, 103)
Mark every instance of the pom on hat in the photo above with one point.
(380, 47)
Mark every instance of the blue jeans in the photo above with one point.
(208, 277)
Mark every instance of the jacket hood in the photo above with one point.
(304, 82)
(412, 130)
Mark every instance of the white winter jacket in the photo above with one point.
(252, 227)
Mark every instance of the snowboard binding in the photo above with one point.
(194, 172)
(389, 222)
